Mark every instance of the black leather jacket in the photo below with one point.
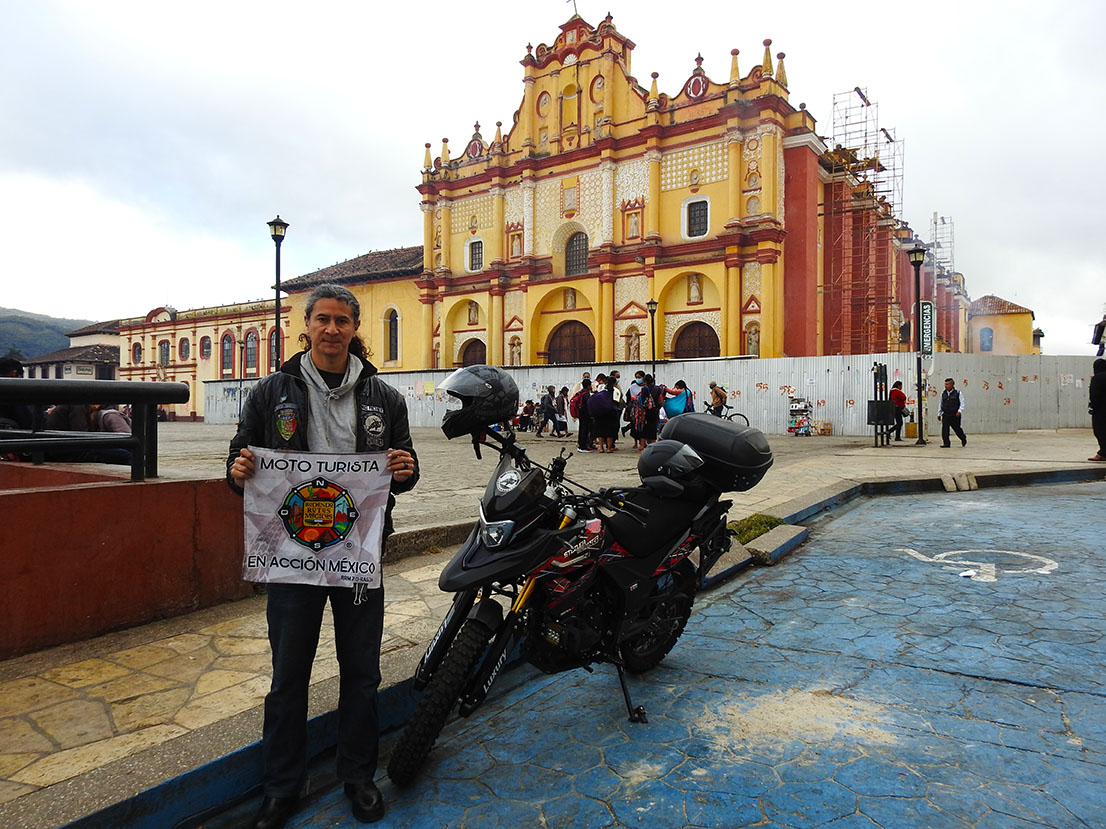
(275, 416)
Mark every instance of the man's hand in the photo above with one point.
(401, 464)
(242, 468)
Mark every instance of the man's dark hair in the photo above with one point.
(10, 367)
(950, 380)
(330, 291)
(897, 384)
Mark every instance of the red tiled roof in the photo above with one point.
(108, 327)
(377, 264)
(990, 304)
(80, 354)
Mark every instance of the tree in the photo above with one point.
(15, 354)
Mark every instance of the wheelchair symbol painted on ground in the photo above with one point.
(987, 565)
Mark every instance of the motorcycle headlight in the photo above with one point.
(494, 533)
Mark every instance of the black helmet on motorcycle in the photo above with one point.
(488, 395)
(667, 461)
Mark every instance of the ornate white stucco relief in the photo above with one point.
(779, 178)
(709, 159)
(631, 180)
(591, 208)
(547, 214)
(514, 305)
(478, 206)
(631, 289)
(750, 283)
(527, 189)
(512, 205)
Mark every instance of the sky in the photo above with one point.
(144, 146)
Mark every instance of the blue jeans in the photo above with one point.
(295, 614)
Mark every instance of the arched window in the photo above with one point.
(393, 335)
(986, 339)
(226, 348)
(274, 349)
(136, 353)
(184, 348)
(205, 348)
(576, 255)
(251, 352)
(163, 353)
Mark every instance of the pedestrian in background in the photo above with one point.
(547, 411)
(717, 399)
(898, 402)
(1098, 408)
(679, 399)
(952, 407)
(578, 407)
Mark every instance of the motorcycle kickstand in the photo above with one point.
(636, 714)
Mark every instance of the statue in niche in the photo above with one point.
(438, 239)
(694, 288)
(515, 353)
(634, 225)
(474, 313)
(570, 299)
(516, 245)
(752, 340)
(633, 345)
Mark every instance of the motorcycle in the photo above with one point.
(572, 576)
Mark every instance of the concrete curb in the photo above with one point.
(233, 777)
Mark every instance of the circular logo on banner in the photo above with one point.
(318, 514)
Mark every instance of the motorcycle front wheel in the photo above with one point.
(441, 694)
(642, 652)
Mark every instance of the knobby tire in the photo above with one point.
(644, 651)
(441, 694)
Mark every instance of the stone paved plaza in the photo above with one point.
(86, 725)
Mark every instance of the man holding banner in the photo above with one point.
(322, 448)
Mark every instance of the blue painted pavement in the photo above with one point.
(923, 660)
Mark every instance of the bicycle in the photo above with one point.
(733, 413)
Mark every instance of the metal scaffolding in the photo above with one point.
(942, 234)
(862, 211)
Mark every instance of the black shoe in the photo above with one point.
(274, 812)
(946, 445)
(368, 805)
(898, 439)
(963, 441)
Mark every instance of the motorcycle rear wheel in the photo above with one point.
(441, 694)
(644, 651)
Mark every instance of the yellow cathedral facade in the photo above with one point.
(551, 242)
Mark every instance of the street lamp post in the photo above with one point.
(652, 306)
(276, 229)
(917, 255)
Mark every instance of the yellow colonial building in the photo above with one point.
(548, 242)
(223, 342)
(998, 326)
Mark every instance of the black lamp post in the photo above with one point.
(652, 306)
(276, 230)
(917, 255)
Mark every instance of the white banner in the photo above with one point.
(315, 518)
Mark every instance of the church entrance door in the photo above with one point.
(474, 354)
(696, 340)
(572, 342)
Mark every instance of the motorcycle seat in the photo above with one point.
(669, 518)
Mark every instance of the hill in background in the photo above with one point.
(35, 334)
